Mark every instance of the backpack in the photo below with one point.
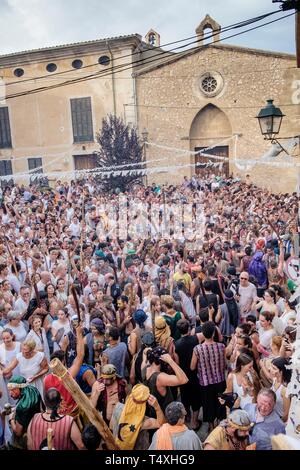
(172, 322)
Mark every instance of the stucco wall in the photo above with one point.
(41, 124)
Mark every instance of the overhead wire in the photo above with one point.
(153, 48)
(144, 61)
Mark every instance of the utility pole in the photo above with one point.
(297, 32)
(293, 5)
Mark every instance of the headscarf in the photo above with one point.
(29, 402)
(108, 371)
(257, 268)
(99, 325)
(260, 244)
(132, 417)
(162, 332)
(238, 419)
(140, 317)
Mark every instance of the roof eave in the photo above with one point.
(69, 50)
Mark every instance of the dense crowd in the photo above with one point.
(179, 343)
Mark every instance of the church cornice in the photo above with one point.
(227, 47)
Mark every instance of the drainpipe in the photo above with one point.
(112, 78)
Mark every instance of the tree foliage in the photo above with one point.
(119, 145)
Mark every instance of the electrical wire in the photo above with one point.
(133, 65)
(144, 60)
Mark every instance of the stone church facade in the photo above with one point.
(210, 97)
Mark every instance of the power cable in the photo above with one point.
(133, 65)
(225, 29)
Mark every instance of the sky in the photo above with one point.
(32, 24)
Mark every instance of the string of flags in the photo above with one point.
(136, 168)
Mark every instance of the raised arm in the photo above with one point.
(165, 380)
(74, 369)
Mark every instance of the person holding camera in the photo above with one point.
(289, 337)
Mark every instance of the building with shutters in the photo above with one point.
(55, 130)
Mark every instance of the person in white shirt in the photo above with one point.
(289, 315)
(247, 293)
(14, 280)
(60, 328)
(16, 325)
(151, 268)
(22, 302)
(51, 260)
(75, 227)
(70, 212)
(45, 279)
(38, 335)
(61, 272)
(93, 276)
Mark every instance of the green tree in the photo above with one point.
(119, 146)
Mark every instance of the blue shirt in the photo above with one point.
(117, 356)
(264, 430)
(79, 378)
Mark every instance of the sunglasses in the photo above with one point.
(243, 278)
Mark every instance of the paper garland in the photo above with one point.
(107, 172)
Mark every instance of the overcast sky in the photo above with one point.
(30, 24)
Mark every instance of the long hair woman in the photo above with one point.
(281, 377)
(243, 381)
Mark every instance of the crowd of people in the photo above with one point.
(178, 343)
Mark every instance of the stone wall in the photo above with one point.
(169, 98)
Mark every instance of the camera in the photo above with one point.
(229, 398)
(7, 409)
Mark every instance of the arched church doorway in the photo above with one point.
(209, 127)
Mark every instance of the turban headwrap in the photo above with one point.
(132, 417)
(29, 402)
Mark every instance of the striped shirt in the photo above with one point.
(211, 363)
(61, 432)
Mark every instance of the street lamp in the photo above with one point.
(269, 119)
(145, 135)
